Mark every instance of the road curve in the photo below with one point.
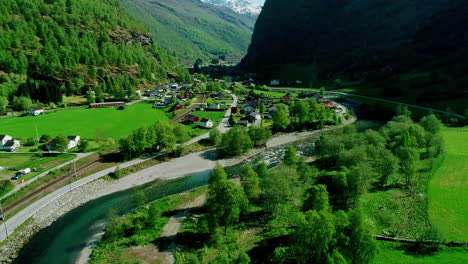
(394, 102)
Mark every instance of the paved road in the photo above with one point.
(394, 102)
(223, 125)
(26, 213)
(21, 185)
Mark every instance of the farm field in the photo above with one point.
(448, 189)
(38, 164)
(273, 94)
(394, 253)
(85, 122)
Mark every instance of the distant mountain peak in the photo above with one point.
(239, 6)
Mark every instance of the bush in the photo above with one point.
(30, 142)
(5, 187)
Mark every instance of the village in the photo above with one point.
(200, 106)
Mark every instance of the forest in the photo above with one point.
(50, 48)
(278, 214)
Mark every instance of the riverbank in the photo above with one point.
(176, 168)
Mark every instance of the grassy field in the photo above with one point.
(448, 189)
(216, 117)
(38, 164)
(395, 253)
(88, 123)
(273, 94)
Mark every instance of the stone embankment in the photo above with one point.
(10, 248)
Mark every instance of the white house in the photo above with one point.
(256, 115)
(275, 82)
(73, 141)
(8, 143)
(206, 123)
(213, 106)
(35, 111)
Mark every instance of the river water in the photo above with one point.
(63, 241)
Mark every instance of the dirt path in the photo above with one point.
(173, 226)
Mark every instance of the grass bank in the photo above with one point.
(448, 189)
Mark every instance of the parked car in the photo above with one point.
(21, 173)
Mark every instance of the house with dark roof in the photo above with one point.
(191, 119)
(8, 143)
(35, 111)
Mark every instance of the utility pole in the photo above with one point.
(3, 219)
(37, 134)
(74, 175)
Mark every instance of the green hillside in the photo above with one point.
(191, 29)
(52, 47)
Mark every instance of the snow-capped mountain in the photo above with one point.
(239, 6)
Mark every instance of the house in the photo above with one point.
(213, 106)
(179, 107)
(167, 99)
(242, 123)
(73, 141)
(220, 96)
(109, 104)
(191, 119)
(286, 99)
(206, 123)
(255, 116)
(153, 93)
(35, 111)
(8, 143)
(274, 82)
(188, 94)
(248, 109)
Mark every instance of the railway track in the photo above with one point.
(190, 109)
(52, 185)
(63, 180)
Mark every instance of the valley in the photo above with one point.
(233, 131)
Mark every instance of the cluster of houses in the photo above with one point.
(249, 108)
(168, 93)
(8, 143)
(203, 123)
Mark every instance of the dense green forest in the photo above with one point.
(191, 29)
(48, 48)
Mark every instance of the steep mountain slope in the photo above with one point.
(52, 47)
(192, 29)
(364, 40)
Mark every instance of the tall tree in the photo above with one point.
(290, 157)
(251, 183)
(225, 202)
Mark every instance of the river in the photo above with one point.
(63, 241)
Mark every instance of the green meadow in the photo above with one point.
(37, 163)
(85, 122)
(396, 253)
(448, 189)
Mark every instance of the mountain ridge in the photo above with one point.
(191, 29)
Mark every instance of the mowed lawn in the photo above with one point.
(85, 122)
(448, 189)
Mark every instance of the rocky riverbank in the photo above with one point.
(173, 169)
(10, 248)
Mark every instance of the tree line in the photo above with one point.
(155, 138)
